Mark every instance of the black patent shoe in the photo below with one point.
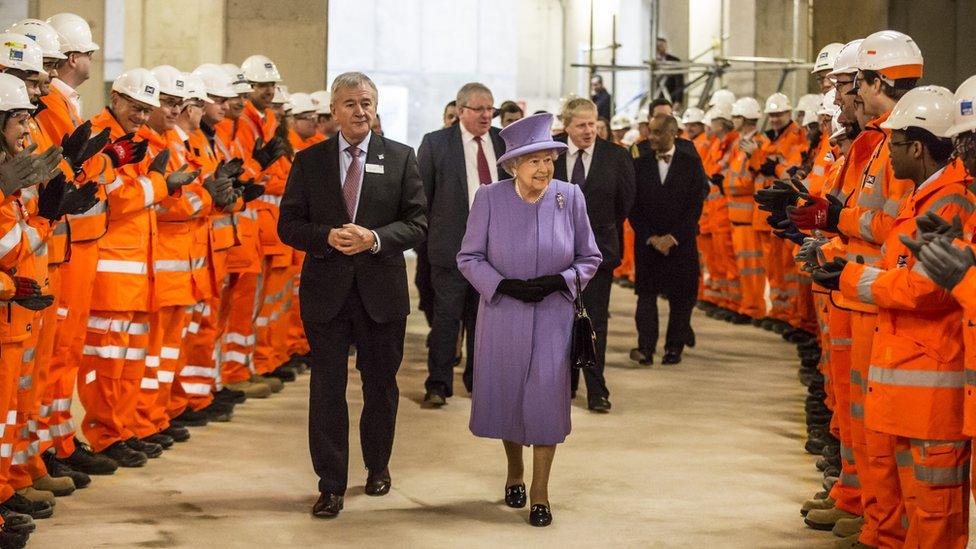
(540, 515)
(327, 506)
(515, 496)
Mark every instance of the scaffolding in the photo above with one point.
(710, 72)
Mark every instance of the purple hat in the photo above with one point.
(528, 135)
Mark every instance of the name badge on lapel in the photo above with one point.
(374, 168)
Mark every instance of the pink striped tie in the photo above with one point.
(350, 186)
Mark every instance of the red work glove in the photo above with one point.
(817, 213)
(25, 287)
(124, 150)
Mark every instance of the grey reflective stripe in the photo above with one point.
(864, 283)
(222, 222)
(847, 453)
(956, 199)
(741, 205)
(171, 265)
(870, 200)
(848, 479)
(24, 382)
(752, 271)
(147, 190)
(903, 458)
(928, 443)
(857, 380)
(904, 522)
(970, 377)
(194, 201)
(942, 475)
(916, 378)
(61, 228)
(868, 259)
(11, 240)
(891, 207)
(864, 225)
(841, 342)
(857, 411)
(97, 209)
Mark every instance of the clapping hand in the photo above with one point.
(828, 275)
(944, 263)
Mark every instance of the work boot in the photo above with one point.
(284, 372)
(741, 319)
(124, 456)
(301, 362)
(851, 542)
(150, 449)
(832, 471)
(756, 322)
(847, 527)
(34, 494)
(825, 519)
(177, 433)
(768, 324)
(251, 389)
(57, 468)
(190, 418)
(12, 540)
(20, 523)
(88, 462)
(218, 411)
(60, 486)
(159, 438)
(811, 504)
(226, 394)
(275, 384)
(828, 483)
(21, 505)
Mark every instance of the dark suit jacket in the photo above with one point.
(391, 203)
(445, 178)
(672, 208)
(609, 192)
(603, 101)
(674, 83)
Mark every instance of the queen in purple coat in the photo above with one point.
(526, 238)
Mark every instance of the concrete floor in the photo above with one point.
(705, 454)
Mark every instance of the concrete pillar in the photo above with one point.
(12, 11)
(774, 38)
(182, 33)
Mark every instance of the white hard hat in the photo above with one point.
(707, 119)
(892, 54)
(964, 117)
(642, 117)
(42, 33)
(809, 102)
(13, 94)
(322, 101)
(138, 84)
(846, 60)
(720, 97)
(836, 128)
(281, 95)
(827, 106)
(778, 102)
(928, 107)
(630, 137)
(238, 80)
(620, 122)
(195, 87)
(301, 103)
(692, 115)
(809, 117)
(259, 68)
(216, 79)
(747, 107)
(75, 34)
(171, 81)
(825, 59)
(19, 52)
(720, 111)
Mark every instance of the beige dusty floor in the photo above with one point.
(706, 454)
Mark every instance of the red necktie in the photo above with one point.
(484, 174)
(350, 185)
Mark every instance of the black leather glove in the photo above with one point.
(58, 198)
(37, 303)
(27, 294)
(550, 284)
(828, 274)
(158, 164)
(251, 191)
(521, 290)
(768, 168)
(788, 231)
(91, 147)
(266, 153)
(71, 145)
(780, 196)
(232, 169)
(931, 225)
(944, 263)
(717, 179)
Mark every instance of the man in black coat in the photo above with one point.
(665, 221)
(354, 204)
(674, 83)
(454, 162)
(605, 172)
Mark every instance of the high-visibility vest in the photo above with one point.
(58, 241)
(23, 252)
(916, 376)
(824, 157)
(740, 186)
(965, 294)
(716, 161)
(787, 149)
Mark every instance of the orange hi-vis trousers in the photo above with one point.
(270, 318)
(847, 490)
(710, 290)
(198, 375)
(751, 270)
(803, 307)
(238, 307)
(77, 280)
(730, 286)
(112, 368)
(934, 477)
(165, 339)
(18, 475)
(626, 267)
(11, 361)
(778, 256)
(297, 342)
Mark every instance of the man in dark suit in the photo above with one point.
(665, 221)
(454, 162)
(644, 148)
(602, 98)
(605, 172)
(354, 204)
(673, 83)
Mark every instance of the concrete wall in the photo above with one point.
(182, 33)
(775, 38)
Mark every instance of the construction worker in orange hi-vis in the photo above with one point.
(887, 65)
(739, 188)
(915, 381)
(117, 341)
(26, 215)
(697, 131)
(61, 117)
(196, 387)
(251, 132)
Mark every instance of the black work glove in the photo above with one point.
(27, 294)
(521, 290)
(931, 225)
(49, 199)
(251, 191)
(780, 196)
(158, 164)
(59, 198)
(768, 168)
(788, 231)
(78, 147)
(550, 284)
(828, 274)
(717, 180)
(266, 153)
(232, 169)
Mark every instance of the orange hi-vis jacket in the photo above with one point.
(824, 157)
(267, 206)
(916, 376)
(23, 252)
(123, 274)
(836, 247)
(59, 116)
(787, 149)
(716, 160)
(181, 276)
(229, 139)
(58, 242)
(965, 294)
(703, 143)
(740, 186)
(300, 144)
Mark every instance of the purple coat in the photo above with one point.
(522, 371)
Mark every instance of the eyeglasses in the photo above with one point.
(306, 117)
(906, 142)
(480, 110)
(170, 102)
(137, 107)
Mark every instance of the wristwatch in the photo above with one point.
(376, 243)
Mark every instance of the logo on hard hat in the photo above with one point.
(18, 45)
(823, 55)
(31, 36)
(179, 83)
(966, 107)
(16, 55)
(150, 90)
(269, 66)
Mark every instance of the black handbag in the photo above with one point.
(583, 350)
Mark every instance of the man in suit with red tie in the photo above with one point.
(353, 204)
(454, 162)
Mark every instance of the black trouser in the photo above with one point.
(421, 280)
(379, 350)
(681, 291)
(596, 299)
(455, 304)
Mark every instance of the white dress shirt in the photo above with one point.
(73, 97)
(662, 166)
(345, 160)
(571, 159)
(471, 160)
